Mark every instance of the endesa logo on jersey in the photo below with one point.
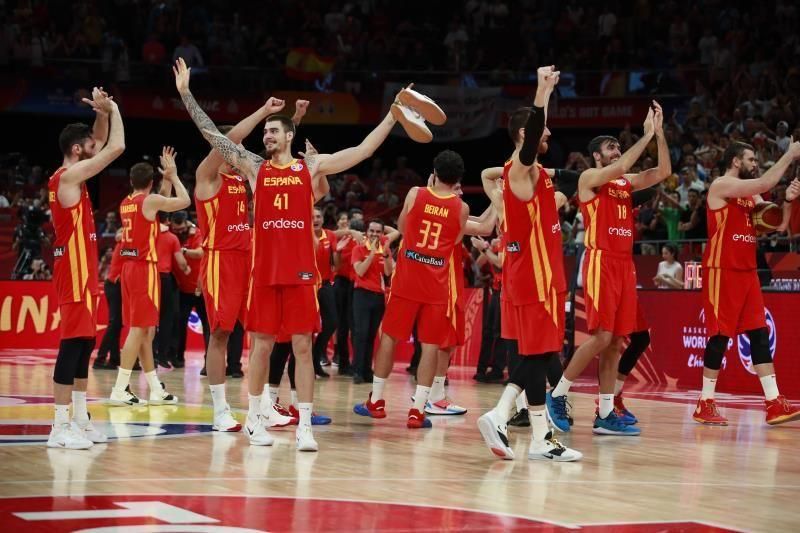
(283, 223)
(235, 228)
(513, 247)
(556, 228)
(620, 232)
(58, 251)
(426, 259)
(743, 341)
(741, 237)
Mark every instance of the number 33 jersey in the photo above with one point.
(283, 235)
(426, 270)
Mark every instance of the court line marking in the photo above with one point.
(703, 522)
(350, 500)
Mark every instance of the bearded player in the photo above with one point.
(282, 294)
(75, 265)
(732, 298)
(605, 194)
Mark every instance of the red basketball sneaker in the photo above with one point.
(417, 420)
(779, 411)
(368, 408)
(707, 413)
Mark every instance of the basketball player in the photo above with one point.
(327, 262)
(605, 194)
(732, 298)
(534, 266)
(221, 198)
(140, 280)
(75, 265)
(424, 285)
(282, 294)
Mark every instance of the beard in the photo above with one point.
(746, 174)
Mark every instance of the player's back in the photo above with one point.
(428, 259)
(223, 218)
(731, 236)
(75, 247)
(283, 239)
(608, 218)
(139, 234)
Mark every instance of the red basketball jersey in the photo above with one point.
(223, 218)
(731, 236)
(283, 239)
(324, 250)
(608, 218)
(428, 258)
(75, 247)
(534, 255)
(115, 269)
(138, 233)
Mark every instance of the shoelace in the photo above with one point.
(714, 410)
(560, 404)
(556, 443)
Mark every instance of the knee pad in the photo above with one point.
(536, 384)
(715, 349)
(70, 352)
(82, 369)
(640, 340)
(277, 362)
(759, 346)
(292, 365)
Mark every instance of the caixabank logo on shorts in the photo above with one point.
(743, 341)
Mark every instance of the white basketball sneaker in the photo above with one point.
(162, 397)
(125, 397)
(257, 433)
(224, 421)
(275, 419)
(550, 449)
(305, 439)
(87, 429)
(63, 436)
(495, 434)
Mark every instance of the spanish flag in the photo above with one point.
(305, 64)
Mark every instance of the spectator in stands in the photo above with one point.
(782, 139)
(403, 174)
(693, 219)
(189, 52)
(38, 271)
(670, 271)
(4, 200)
(388, 197)
(153, 52)
(109, 226)
(670, 209)
(689, 182)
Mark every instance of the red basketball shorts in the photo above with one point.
(457, 333)
(225, 278)
(732, 301)
(141, 294)
(79, 319)
(508, 322)
(609, 282)
(540, 325)
(286, 309)
(433, 324)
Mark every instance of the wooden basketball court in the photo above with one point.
(164, 470)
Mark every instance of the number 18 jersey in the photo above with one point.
(608, 218)
(426, 264)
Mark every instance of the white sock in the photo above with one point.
(293, 396)
(218, 397)
(305, 413)
(273, 393)
(437, 389)
(254, 407)
(606, 404)
(123, 379)
(153, 382)
(709, 384)
(539, 424)
(562, 388)
(79, 412)
(521, 401)
(421, 398)
(377, 388)
(769, 383)
(618, 386)
(506, 400)
(62, 414)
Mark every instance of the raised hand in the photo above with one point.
(479, 243)
(310, 150)
(794, 149)
(182, 74)
(648, 122)
(100, 101)
(658, 118)
(301, 108)
(542, 73)
(343, 242)
(168, 167)
(793, 190)
(274, 105)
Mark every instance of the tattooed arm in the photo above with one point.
(235, 155)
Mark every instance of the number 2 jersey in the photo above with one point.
(731, 236)
(283, 238)
(428, 259)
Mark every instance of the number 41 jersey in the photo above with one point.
(425, 263)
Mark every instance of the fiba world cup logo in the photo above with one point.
(745, 355)
(194, 323)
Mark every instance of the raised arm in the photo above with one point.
(155, 202)
(792, 192)
(489, 177)
(651, 176)
(88, 168)
(726, 187)
(593, 178)
(484, 224)
(410, 199)
(234, 154)
(100, 127)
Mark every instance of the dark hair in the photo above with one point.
(672, 249)
(179, 217)
(340, 213)
(734, 149)
(141, 175)
(225, 129)
(357, 225)
(356, 211)
(376, 221)
(448, 167)
(73, 134)
(163, 217)
(517, 121)
(597, 143)
(318, 208)
(286, 122)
